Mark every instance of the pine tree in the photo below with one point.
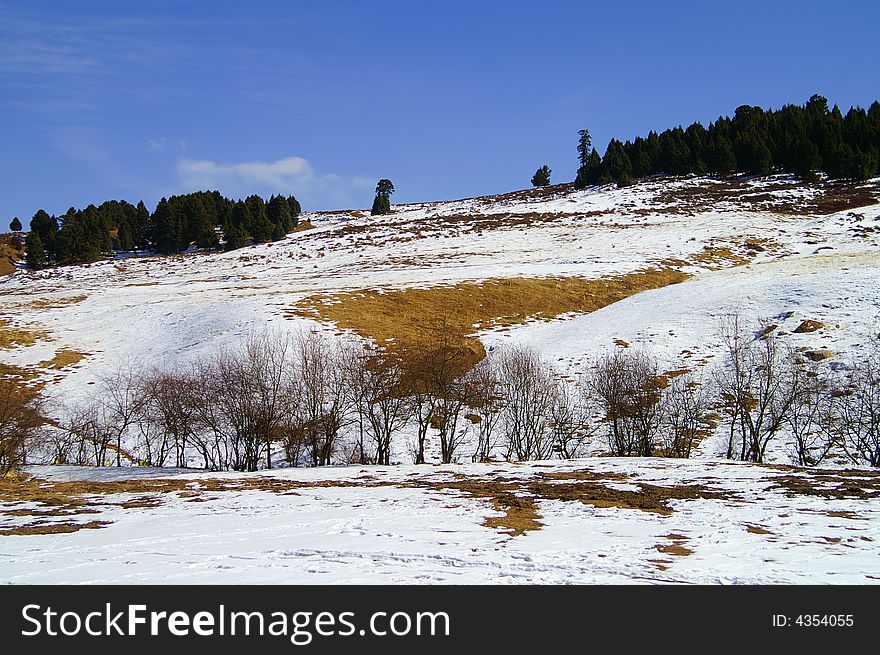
(167, 233)
(585, 145)
(35, 256)
(15, 224)
(541, 176)
(382, 201)
(279, 214)
(260, 227)
(616, 165)
(47, 227)
(295, 210)
(141, 226)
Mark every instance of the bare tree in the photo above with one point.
(484, 394)
(757, 389)
(325, 395)
(529, 392)
(121, 399)
(811, 418)
(384, 403)
(687, 415)
(857, 411)
(170, 410)
(434, 377)
(21, 418)
(626, 384)
(570, 423)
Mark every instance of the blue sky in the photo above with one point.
(139, 100)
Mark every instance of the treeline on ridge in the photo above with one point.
(200, 218)
(794, 139)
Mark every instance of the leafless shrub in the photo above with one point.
(21, 418)
(757, 388)
(529, 391)
(570, 424)
(325, 398)
(383, 401)
(856, 410)
(811, 418)
(483, 390)
(434, 372)
(626, 385)
(686, 415)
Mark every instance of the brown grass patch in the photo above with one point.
(302, 227)
(12, 335)
(650, 498)
(52, 528)
(45, 303)
(674, 549)
(861, 485)
(845, 514)
(757, 529)
(717, 257)
(63, 358)
(808, 326)
(403, 317)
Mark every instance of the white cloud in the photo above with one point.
(157, 145)
(290, 175)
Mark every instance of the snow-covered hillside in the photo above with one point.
(769, 248)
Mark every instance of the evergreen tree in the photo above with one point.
(260, 227)
(35, 256)
(167, 232)
(616, 165)
(585, 145)
(279, 214)
(382, 201)
(235, 230)
(15, 224)
(47, 227)
(234, 236)
(295, 210)
(141, 226)
(541, 176)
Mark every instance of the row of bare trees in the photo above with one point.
(762, 392)
(315, 400)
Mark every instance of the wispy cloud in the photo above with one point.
(290, 175)
(83, 143)
(157, 145)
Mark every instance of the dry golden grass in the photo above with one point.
(43, 303)
(51, 528)
(63, 358)
(717, 257)
(11, 335)
(11, 250)
(403, 317)
(302, 227)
